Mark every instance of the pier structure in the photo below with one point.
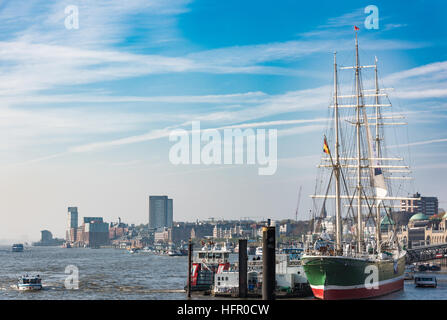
(424, 253)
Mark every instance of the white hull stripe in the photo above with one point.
(360, 286)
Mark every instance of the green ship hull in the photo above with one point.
(341, 277)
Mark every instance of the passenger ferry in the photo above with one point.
(17, 247)
(28, 283)
(206, 263)
(425, 281)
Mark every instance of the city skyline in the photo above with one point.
(86, 113)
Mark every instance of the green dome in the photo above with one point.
(386, 221)
(418, 216)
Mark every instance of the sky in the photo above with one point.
(86, 112)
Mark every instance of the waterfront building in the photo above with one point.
(164, 235)
(117, 230)
(96, 232)
(427, 205)
(47, 239)
(160, 212)
(424, 230)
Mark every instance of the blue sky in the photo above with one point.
(85, 114)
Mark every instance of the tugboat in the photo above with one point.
(17, 247)
(28, 283)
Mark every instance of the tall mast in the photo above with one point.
(378, 154)
(358, 124)
(338, 225)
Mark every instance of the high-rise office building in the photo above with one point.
(72, 217)
(160, 212)
(427, 205)
(72, 224)
(169, 213)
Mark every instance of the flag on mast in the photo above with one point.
(326, 147)
(356, 28)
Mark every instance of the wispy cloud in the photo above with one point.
(419, 143)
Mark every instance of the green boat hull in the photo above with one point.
(340, 277)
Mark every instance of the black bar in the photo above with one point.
(243, 268)
(189, 268)
(268, 263)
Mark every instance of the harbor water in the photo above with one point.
(112, 274)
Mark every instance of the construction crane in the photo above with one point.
(298, 204)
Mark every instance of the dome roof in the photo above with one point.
(418, 216)
(386, 221)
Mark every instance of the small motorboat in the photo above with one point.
(434, 267)
(409, 273)
(425, 281)
(66, 245)
(133, 250)
(17, 247)
(423, 267)
(28, 283)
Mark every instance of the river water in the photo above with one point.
(111, 274)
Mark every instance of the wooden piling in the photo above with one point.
(243, 268)
(268, 263)
(189, 268)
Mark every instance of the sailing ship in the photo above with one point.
(357, 263)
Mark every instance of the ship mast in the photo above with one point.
(338, 224)
(378, 154)
(374, 157)
(358, 125)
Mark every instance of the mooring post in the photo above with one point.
(243, 268)
(268, 263)
(189, 268)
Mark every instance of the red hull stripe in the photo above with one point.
(358, 293)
